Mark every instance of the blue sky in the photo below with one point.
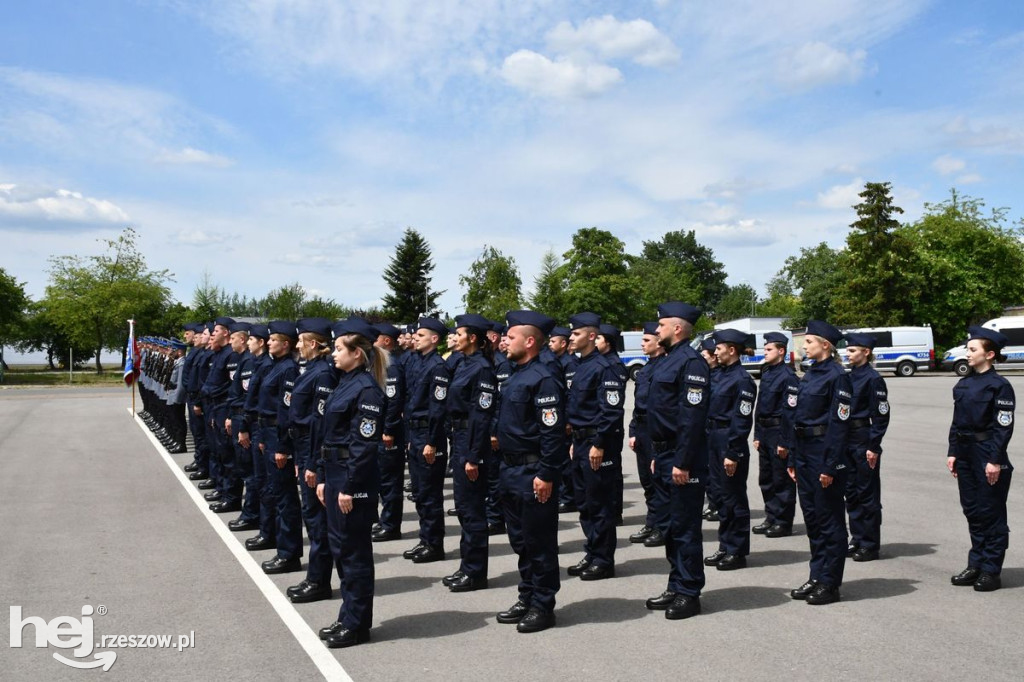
(275, 141)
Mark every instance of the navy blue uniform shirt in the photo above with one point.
(870, 402)
(678, 406)
(531, 417)
(824, 401)
(595, 399)
(983, 404)
(354, 419)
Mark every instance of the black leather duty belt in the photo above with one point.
(332, 453)
(661, 445)
(769, 421)
(519, 460)
(460, 423)
(977, 436)
(268, 421)
(298, 431)
(419, 423)
(718, 423)
(859, 423)
(584, 431)
(810, 431)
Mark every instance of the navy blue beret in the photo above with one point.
(824, 330)
(260, 331)
(177, 345)
(998, 340)
(559, 331)
(240, 327)
(609, 332)
(708, 343)
(314, 325)
(192, 327)
(679, 309)
(386, 329)
(651, 328)
(531, 318)
(225, 322)
(474, 322)
(860, 339)
(584, 320)
(731, 336)
(208, 327)
(355, 325)
(776, 337)
(433, 324)
(285, 327)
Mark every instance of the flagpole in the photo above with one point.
(131, 340)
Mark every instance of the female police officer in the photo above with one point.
(348, 477)
(983, 404)
(869, 419)
(730, 416)
(818, 455)
(470, 405)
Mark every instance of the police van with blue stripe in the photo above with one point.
(1012, 327)
(903, 350)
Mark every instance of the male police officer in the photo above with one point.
(595, 413)
(652, 534)
(531, 435)
(676, 418)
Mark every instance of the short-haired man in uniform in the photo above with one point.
(677, 419)
(531, 434)
(595, 413)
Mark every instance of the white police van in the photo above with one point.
(904, 350)
(631, 354)
(1012, 327)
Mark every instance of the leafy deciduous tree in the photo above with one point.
(493, 286)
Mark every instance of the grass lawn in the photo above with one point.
(40, 375)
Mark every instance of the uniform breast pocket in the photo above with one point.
(518, 399)
(813, 404)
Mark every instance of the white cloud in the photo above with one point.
(746, 232)
(561, 78)
(814, 64)
(1001, 135)
(969, 179)
(841, 196)
(608, 38)
(947, 165)
(63, 207)
(195, 157)
(198, 237)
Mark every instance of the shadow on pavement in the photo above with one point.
(601, 610)
(1013, 578)
(743, 598)
(433, 624)
(877, 588)
(900, 549)
(777, 557)
(399, 584)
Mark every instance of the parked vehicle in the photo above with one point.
(1012, 327)
(903, 350)
(631, 354)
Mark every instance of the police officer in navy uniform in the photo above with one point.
(470, 404)
(296, 443)
(983, 408)
(349, 475)
(652, 533)
(531, 436)
(594, 410)
(427, 387)
(393, 442)
(228, 493)
(730, 417)
(250, 436)
(707, 351)
(779, 387)
(274, 402)
(194, 376)
(558, 343)
(609, 339)
(676, 421)
(502, 371)
(239, 364)
(869, 419)
(818, 453)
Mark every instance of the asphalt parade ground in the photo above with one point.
(102, 537)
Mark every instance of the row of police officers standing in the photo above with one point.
(292, 430)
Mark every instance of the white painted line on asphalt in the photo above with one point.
(321, 656)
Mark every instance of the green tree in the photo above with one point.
(972, 264)
(408, 279)
(549, 288)
(814, 275)
(679, 268)
(284, 303)
(207, 298)
(598, 278)
(739, 301)
(40, 333)
(781, 301)
(12, 311)
(92, 298)
(874, 287)
(323, 307)
(492, 285)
